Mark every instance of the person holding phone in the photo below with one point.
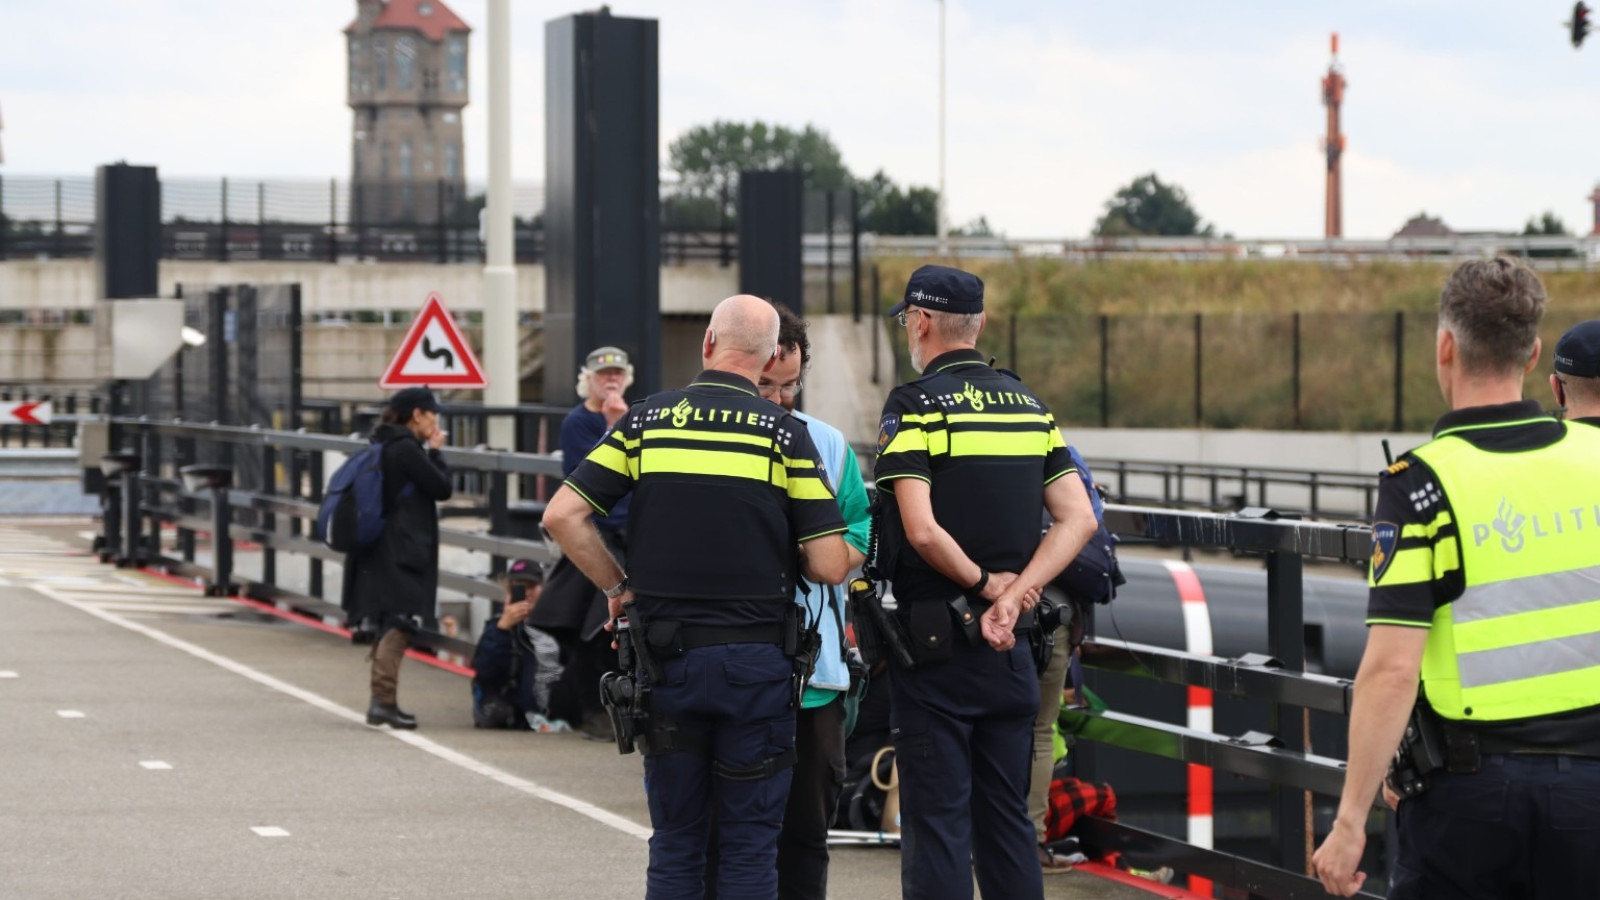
(518, 682)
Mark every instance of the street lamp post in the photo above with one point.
(500, 272)
(944, 238)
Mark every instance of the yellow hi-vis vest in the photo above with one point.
(1523, 640)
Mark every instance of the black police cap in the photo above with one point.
(943, 289)
(1578, 351)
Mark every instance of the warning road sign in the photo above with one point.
(33, 413)
(434, 354)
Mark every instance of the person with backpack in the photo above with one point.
(391, 584)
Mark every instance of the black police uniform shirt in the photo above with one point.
(1409, 497)
(988, 447)
(725, 486)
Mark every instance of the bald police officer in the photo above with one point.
(728, 494)
(968, 460)
(1483, 589)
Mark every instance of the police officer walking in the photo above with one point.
(968, 460)
(1485, 561)
(1576, 382)
(728, 501)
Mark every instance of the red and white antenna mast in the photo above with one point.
(1333, 145)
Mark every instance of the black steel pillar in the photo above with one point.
(602, 197)
(771, 209)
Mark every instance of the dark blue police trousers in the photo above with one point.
(963, 739)
(737, 698)
(1524, 827)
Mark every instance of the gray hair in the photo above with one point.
(958, 328)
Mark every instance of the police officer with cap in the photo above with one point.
(729, 501)
(1576, 382)
(968, 460)
(1483, 593)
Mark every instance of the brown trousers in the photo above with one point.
(386, 656)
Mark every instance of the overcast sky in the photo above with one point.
(1479, 112)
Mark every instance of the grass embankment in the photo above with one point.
(1347, 326)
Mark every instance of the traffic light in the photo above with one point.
(1579, 24)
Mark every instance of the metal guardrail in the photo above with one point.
(276, 518)
(1221, 488)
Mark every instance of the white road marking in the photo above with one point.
(8, 674)
(70, 714)
(269, 831)
(4, 583)
(183, 609)
(155, 764)
(532, 789)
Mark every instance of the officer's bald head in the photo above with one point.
(745, 326)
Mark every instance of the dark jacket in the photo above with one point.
(522, 668)
(398, 576)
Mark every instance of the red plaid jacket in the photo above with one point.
(1071, 798)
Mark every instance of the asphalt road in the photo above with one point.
(159, 744)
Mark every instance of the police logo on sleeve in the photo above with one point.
(886, 430)
(1385, 536)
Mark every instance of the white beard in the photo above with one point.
(916, 358)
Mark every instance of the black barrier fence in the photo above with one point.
(1336, 371)
(277, 517)
(223, 219)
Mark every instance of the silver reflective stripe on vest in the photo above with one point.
(1527, 594)
(1552, 657)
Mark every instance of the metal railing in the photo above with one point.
(278, 518)
(1230, 488)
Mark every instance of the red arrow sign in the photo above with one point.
(34, 413)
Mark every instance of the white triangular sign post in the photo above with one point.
(434, 354)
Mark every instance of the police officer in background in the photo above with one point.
(968, 460)
(1485, 559)
(1576, 382)
(727, 499)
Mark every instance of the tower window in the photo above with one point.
(405, 63)
(380, 63)
(456, 62)
(405, 159)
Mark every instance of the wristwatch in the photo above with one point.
(619, 590)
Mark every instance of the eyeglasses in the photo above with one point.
(906, 315)
(789, 391)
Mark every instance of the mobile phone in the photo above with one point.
(519, 593)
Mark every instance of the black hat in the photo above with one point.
(943, 289)
(526, 571)
(1578, 351)
(411, 399)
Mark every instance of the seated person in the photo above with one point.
(518, 681)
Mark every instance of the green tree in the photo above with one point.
(708, 158)
(886, 209)
(1149, 207)
(1549, 224)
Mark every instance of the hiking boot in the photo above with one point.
(390, 714)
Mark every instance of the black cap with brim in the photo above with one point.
(525, 571)
(942, 289)
(1578, 351)
(411, 399)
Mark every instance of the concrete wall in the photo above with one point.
(69, 283)
(1323, 451)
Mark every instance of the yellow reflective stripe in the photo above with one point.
(921, 418)
(807, 488)
(884, 482)
(1411, 566)
(1057, 442)
(1429, 530)
(999, 443)
(611, 457)
(1402, 622)
(799, 462)
(731, 463)
(723, 437)
(812, 537)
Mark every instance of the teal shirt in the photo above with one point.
(851, 492)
